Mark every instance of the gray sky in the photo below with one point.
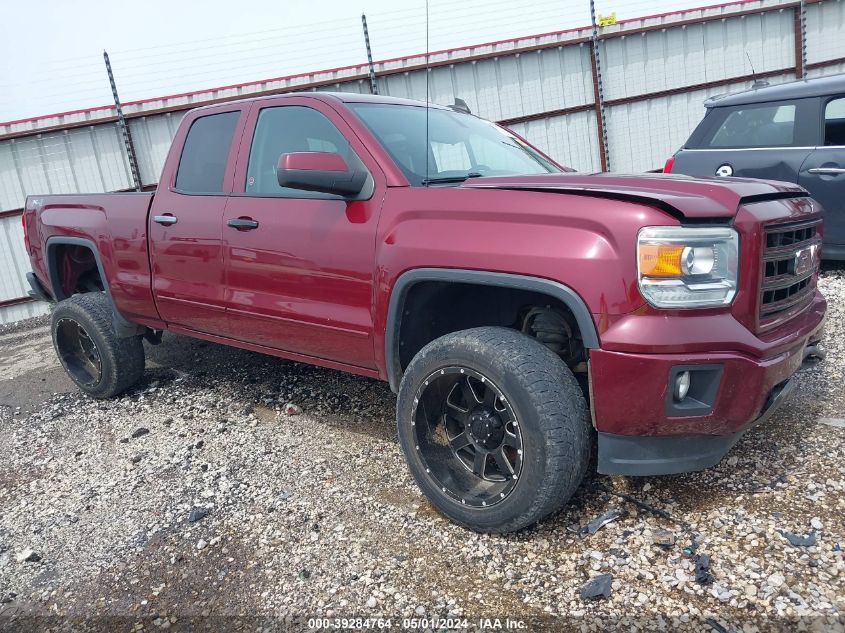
(51, 50)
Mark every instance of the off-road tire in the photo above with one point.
(553, 418)
(121, 359)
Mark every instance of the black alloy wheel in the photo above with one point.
(468, 436)
(494, 428)
(78, 353)
(102, 363)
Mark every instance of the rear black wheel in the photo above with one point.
(99, 362)
(494, 428)
(78, 353)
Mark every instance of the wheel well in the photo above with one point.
(76, 270)
(434, 308)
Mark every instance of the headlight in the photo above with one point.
(687, 267)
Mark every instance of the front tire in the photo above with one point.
(494, 428)
(96, 359)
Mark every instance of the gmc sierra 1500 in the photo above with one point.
(522, 312)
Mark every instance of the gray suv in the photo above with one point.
(793, 132)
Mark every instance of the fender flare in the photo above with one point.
(122, 327)
(406, 280)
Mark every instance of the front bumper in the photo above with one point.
(672, 454)
(639, 433)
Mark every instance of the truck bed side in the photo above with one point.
(81, 241)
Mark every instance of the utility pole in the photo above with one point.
(373, 85)
(598, 92)
(127, 138)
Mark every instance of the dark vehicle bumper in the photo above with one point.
(36, 289)
(643, 431)
(833, 252)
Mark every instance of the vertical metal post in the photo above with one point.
(803, 28)
(373, 85)
(127, 138)
(598, 92)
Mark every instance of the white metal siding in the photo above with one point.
(14, 264)
(505, 87)
(151, 137)
(825, 31)
(570, 139)
(89, 159)
(699, 53)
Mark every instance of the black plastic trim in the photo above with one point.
(37, 290)
(569, 297)
(704, 384)
(122, 327)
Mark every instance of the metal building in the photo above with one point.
(655, 73)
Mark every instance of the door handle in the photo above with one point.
(165, 220)
(242, 224)
(827, 171)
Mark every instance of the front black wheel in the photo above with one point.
(494, 428)
(96, 359)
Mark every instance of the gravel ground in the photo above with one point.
(195, 502)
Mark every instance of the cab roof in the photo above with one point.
(343, 97)
(817, 87)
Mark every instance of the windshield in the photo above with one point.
(460, 145)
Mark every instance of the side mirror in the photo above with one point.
(325, 172)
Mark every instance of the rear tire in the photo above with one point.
(99, 362)
(494, 428)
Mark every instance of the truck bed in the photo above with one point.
(114, 224)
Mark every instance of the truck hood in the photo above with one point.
(682, 196)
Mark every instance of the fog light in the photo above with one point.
(682, 383)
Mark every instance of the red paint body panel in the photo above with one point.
(629, 388)
(120, 235)
(559, 237)
(313, 280)
(187, 257)
(320, 161)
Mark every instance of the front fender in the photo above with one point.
(585, 245)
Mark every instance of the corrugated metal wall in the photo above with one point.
(13, 268)
(656, 73)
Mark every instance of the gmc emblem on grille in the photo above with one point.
(803, 261)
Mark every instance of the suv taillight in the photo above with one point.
(670, 162)
(25, 239)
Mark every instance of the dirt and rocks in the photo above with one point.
(234, 491)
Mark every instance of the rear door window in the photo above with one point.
(202, 166)
(767, 125)
(834, 122)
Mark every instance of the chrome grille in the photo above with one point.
(790, 263)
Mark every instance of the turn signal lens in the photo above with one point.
(660, 260)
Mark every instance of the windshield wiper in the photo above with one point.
(451, 179)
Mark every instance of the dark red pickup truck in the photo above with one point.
(523, 313)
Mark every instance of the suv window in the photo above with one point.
(202, 166)
(756, 126)
(834, 122)
(284, 129)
